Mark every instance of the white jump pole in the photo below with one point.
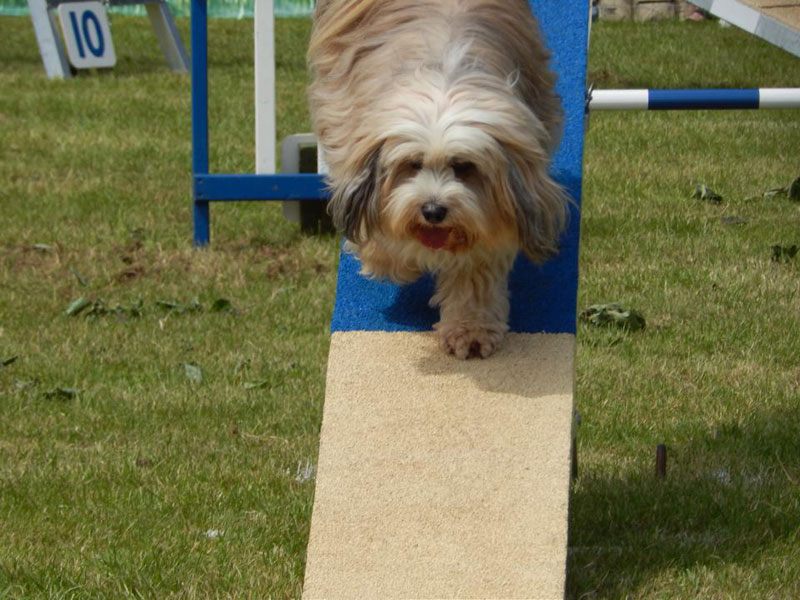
(264, 38)
(694, 99)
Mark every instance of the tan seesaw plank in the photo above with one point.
(785, 11)
(440, 478)
(776, 21)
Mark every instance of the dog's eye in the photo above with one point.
(415, 165)
(463, 169)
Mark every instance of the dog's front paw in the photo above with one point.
(468, 341)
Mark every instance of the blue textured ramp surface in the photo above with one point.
(543, 299)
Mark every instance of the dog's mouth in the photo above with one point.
(434, 238)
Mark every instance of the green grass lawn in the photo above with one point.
(145, 483)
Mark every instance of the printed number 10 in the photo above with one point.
(96, 46)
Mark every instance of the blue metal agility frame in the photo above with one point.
(545, 295)
(208, 187)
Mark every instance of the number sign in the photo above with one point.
(87, 35)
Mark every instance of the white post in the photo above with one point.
(50, 45)
(264, 36)
(322, 166)
(168, 37)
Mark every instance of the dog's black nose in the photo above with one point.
(434, 212)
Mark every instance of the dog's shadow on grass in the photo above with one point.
(729, 497)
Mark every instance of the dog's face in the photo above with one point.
(449, 170)
(437, 186)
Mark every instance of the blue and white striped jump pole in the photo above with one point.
(694, 99)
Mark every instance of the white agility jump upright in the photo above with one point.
(440, 478)
(264, 53)
(301, 193)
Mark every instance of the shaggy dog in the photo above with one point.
(437, 120)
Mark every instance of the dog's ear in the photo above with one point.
(541, 207)
(354, 206)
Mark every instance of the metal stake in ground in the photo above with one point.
(661, 461)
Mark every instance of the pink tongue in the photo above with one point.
(433, 237)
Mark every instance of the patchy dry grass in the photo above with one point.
(146, 484)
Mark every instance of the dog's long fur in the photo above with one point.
(448, 106)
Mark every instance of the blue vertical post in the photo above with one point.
(202, 230)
